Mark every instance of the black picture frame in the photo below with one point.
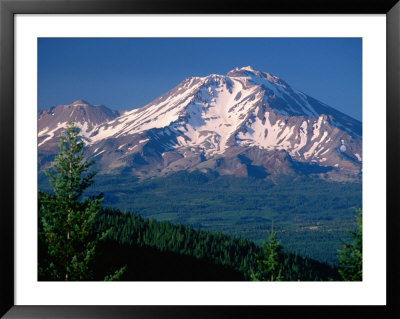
(8, 8)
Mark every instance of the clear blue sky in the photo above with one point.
(129, 72)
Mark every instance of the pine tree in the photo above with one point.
(350, 257)
(66, 224)
(269, 261)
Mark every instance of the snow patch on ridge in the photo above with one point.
(216, 114)
(270, 136)
(52, 132)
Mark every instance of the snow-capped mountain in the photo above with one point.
(244, 123)
(52, 122)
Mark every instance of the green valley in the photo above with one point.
(312, 216)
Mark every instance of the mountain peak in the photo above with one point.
(247, 68)
(80, 102)
(242, 70)
(248, 71)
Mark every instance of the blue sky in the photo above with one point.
(125, 73)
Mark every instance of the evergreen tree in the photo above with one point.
(350, 257)
(66, 219)
(269, 262)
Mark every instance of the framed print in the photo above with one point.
(243, 159)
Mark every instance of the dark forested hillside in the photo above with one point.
(154, 250)
(218, 256)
